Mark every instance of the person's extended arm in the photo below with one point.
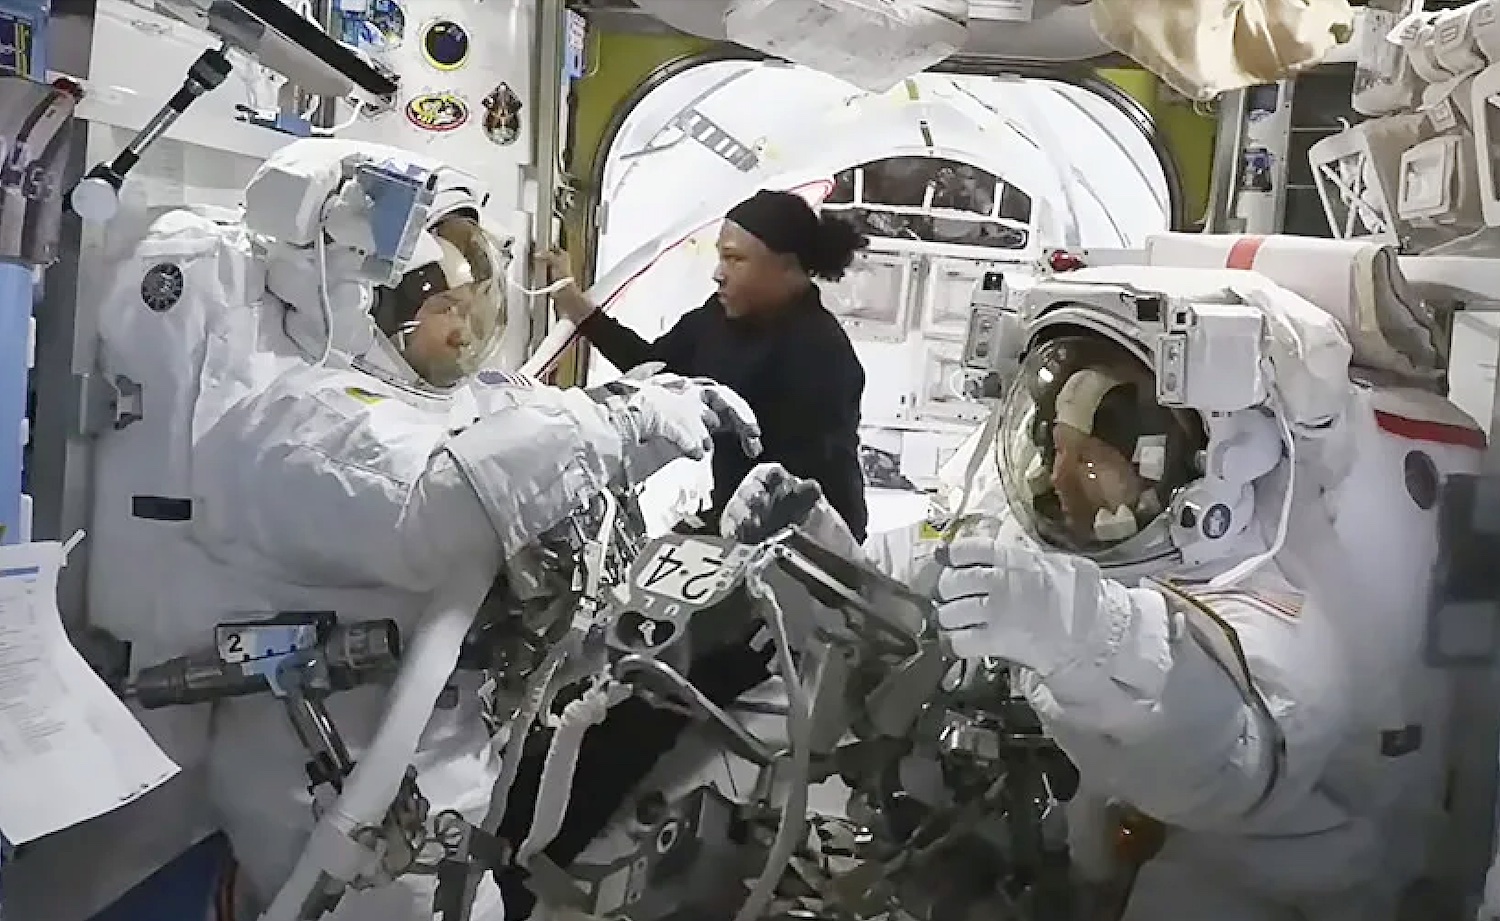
(626, 349)
(623, 347)
(1124, 681)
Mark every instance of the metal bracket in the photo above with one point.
(104, 405)
(106, 654)
(565, 201)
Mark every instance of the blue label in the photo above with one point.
(575, 54)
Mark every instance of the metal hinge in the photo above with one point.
(104, 405)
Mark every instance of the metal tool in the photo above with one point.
(268, 31)
(254, 657)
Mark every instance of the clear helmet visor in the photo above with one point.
(447, 315)
(1089, 461)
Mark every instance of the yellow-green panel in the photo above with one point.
(1140, 84)
(1188, 135)
(620, 63)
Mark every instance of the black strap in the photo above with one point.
(161, 508)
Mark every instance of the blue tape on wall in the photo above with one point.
(15, 320)
(23, 52)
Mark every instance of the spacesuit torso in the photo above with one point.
(309, 445)
(1330, 632)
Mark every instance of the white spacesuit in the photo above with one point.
(1218, 604)
(335, 463)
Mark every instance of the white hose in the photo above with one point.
(793, 825)
(556, 787)
(537, 693)
(789, 834)
(427, 664)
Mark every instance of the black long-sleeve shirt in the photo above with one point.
(796, 369)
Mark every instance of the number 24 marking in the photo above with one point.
(667, 564)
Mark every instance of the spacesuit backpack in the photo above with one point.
(176, 311)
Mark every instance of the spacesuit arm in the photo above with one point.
(532, 462)
(771, 499)
(1139, 690)
(327, 483)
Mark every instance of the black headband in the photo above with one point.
(782, 221)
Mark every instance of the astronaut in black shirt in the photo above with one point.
(766, 335)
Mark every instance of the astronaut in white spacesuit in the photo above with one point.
(341, 471)
(1218, 614)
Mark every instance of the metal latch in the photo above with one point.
(103, 404)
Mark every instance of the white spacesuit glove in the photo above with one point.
(770, 499)
(1044, 611)
(667, 416)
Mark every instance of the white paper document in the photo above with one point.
(69, 748)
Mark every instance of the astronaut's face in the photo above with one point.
(439, 337)
(751, 278)
(1090, 476)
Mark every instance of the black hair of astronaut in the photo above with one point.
(1127, 413)
(823, 245)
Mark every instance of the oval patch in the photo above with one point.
(502, 115)
(161, 286)
(437, 112)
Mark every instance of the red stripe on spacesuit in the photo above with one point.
(1242, 254)
(1441, 433)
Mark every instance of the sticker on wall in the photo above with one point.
(161, 286)
(502, 115)
(445, 44)
(1261, 101)
(1255, 169)
(374, 26)
(439, 112)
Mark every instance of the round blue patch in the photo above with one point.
(1216, 521)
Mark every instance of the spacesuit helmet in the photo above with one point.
(446, 315)
(1089, 460)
